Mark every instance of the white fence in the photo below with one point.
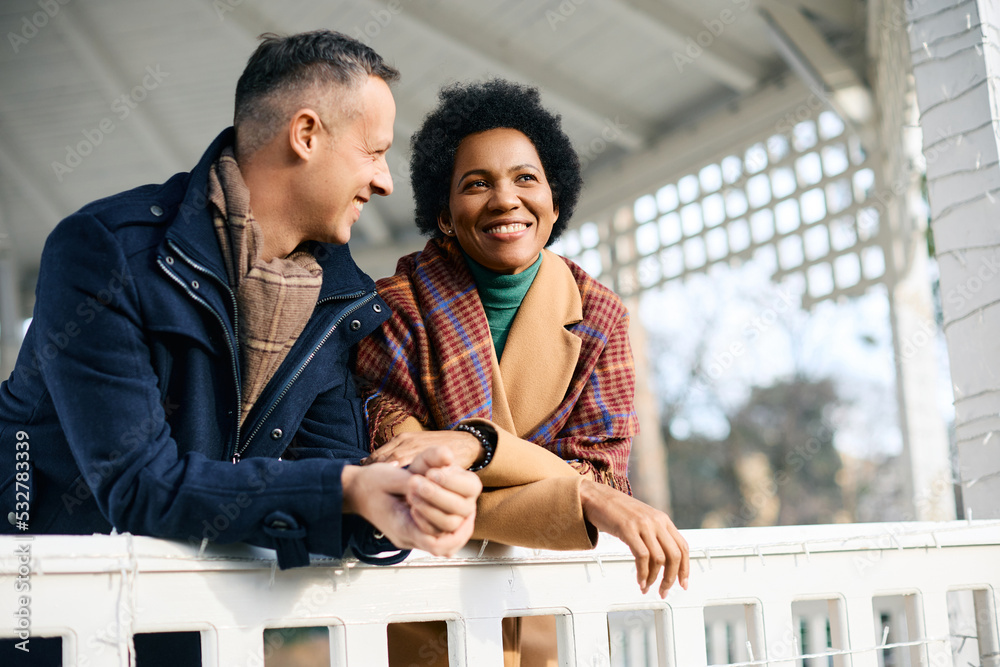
(880, 592)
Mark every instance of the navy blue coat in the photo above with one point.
(122, 411)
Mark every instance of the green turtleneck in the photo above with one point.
(501, 295)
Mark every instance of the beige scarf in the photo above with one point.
(274, 299)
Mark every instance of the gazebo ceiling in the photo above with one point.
(98, 97)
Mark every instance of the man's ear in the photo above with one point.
(444, 223)
(303, 132)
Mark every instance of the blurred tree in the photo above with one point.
(777, 466)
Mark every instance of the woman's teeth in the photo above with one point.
(507, 229)
(358, 204)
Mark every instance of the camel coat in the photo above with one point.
(528, 384)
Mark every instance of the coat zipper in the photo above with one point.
(350, 309)
(225, 330)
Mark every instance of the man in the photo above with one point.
(186, 372)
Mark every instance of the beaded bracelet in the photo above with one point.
(489, 444)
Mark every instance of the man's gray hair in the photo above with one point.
(316, 69)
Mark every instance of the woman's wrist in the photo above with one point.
(486, 437)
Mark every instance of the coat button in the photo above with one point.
(12, 518)
(156, 210)
(377, 308)
(170, 260)
(355, 325)
(194, 284)
(276, 434)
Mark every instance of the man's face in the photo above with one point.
(352, 167)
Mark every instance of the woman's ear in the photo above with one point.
(444, 223)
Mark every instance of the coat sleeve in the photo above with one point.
(105, 391)
(521, 480)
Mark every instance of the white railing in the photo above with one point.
(756, 591)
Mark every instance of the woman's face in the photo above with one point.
(500, 208)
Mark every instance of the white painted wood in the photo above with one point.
(861, 630)
(590, 641)
(102, 589)
(366, 644)
(480, 643)
(927, 617)
(985, 602)
(689, 624)
(956, 100)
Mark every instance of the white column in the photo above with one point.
(956, 65)
(898, 203)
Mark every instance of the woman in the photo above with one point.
(505, 351)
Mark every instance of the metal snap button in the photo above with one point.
(156, 210)
(276, 434)
(377, 308)
(355, 325)
(170, 260)
(12, 518)
(194, 284)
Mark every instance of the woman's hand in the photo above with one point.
(405, 447)
(649, 533)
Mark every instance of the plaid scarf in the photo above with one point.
(433, 360)
(274, 299)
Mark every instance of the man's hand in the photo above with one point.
(649, 533)
(405, 447)
(431, 506)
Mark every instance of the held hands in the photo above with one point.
(431, 506)
(649, 533)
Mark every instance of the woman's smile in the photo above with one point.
(501, 209)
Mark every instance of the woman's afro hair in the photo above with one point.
(465, 109)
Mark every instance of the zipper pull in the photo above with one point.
(236, 458)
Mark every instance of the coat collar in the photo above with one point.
(540, 356)
(192, 231)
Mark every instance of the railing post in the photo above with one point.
(366, 645)
(480, 644)
(583, 640)
(861, 630)
(985, 603)
(718, 639)
(816, 639)
(780, 636)
(837, 611)
(927, 617)
(689, 624)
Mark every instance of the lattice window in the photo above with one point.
(801, 202)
